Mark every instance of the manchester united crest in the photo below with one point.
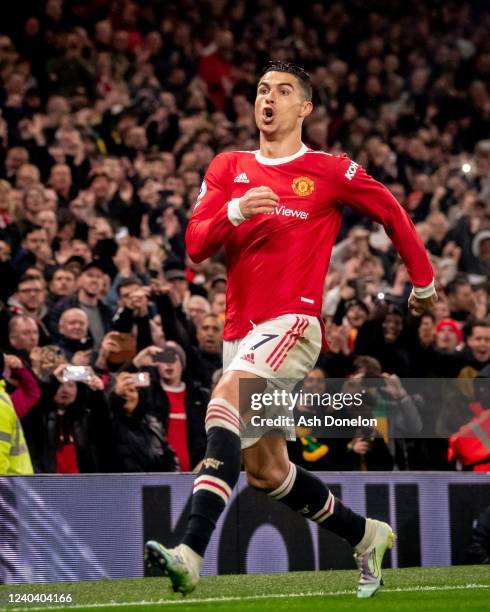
(303, 186)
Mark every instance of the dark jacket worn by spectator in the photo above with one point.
(201, 364)
(196, 402)
(393, 356)
(74, 439)
(139, 438)
(124, 321)
(70, 346)
(52, 318)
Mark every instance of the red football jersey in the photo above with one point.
(277, 262)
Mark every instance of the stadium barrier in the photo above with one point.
(60, 528)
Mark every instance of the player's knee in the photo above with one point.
(223, 415)
(237, 388)
(227, 388)
(267, 477)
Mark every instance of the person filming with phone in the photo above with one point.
(140, 442)
(68, 431)
(177, 402)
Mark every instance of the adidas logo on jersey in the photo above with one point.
(250, 357)
(241, 178)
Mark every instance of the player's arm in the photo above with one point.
(369, 197)
(216, 216)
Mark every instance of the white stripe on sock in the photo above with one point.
(221, 413)
(218, 422)
(219, 401)
(322, 514)
(213, 485)
(287, 485)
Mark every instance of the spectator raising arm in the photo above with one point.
(27, 393)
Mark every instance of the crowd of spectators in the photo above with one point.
(111, 111)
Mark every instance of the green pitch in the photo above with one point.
(420, 589)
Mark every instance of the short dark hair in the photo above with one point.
(28, 278)
(30, 228)
(371, 365)
(65, 217)
(470, 325)
(393, 309)
(302, 76)
(461, 280)
(61, 268)
(209, 315)
(428, 315)
(127, 282)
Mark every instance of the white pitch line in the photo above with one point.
(173, 602)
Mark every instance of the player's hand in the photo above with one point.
(418, 306)
(258, 200)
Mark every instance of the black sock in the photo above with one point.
(217, 476)
(305, 493)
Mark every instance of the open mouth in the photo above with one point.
(268, 115)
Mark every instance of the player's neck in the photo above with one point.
(280, 148)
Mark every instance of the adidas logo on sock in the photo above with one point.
(250, 357)
(241, 178)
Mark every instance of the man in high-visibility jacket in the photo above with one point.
(14, 455)
(470, 445)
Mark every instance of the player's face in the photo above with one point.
(280, 106)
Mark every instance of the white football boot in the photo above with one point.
(369, 553)
(181, 564)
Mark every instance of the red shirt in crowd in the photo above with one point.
(213, 69)
(177, 425)
(66, 451)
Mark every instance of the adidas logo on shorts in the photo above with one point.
(250, 357)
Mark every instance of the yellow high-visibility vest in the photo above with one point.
(14, 455)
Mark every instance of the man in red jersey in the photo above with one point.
(277, 212)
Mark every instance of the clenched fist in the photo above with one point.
(258, 200)
(418, 306)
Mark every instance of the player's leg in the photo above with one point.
(212, 488)
(269, 470)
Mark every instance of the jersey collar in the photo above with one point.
(173, 389)
(276, 161)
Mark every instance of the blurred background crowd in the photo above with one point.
(111, 111)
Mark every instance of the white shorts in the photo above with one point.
(282, 350)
